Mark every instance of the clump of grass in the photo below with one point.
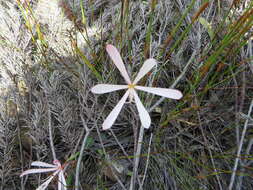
(53, 52)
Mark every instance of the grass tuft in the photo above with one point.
(53, 52)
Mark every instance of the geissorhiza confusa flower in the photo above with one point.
(56, 168)
(131, 89)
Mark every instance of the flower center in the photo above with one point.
(131, 85)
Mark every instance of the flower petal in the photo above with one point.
(115, 112)
(33, 171)
(144, 116)
(116, 58)
(146, 67)
(105, 88)
(44, 185)
(62, 182)
(166, 92)
(42, 164)
(57, 163)
(59, 181)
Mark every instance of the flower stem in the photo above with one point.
(137, 158)
(50, 132)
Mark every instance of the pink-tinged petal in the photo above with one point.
(59, 181)
(62, 181)
(57, 162)
(146, 67)
(44, 185)
(42, 164)
(144, 116)
(166, 92)
(105, 88)
(116, 58)
(33, 171)
(115, 112)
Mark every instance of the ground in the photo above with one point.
(52, 52)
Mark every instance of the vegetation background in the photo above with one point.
(53, 51)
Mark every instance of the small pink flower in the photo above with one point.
(131, 89)
(56, 168)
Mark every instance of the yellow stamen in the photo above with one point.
(131, 85)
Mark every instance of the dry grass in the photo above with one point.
(53, 52)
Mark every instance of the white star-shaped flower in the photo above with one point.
(131, 89)
(56, 167)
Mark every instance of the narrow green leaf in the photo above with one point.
(88, 63)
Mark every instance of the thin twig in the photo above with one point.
(137, 158)
(232, 179)
(120, 145)
(146, 168)
(88, 130)
(79, 141)
(237, 131)
(250, 52)
(175, 82)
(50, 131)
